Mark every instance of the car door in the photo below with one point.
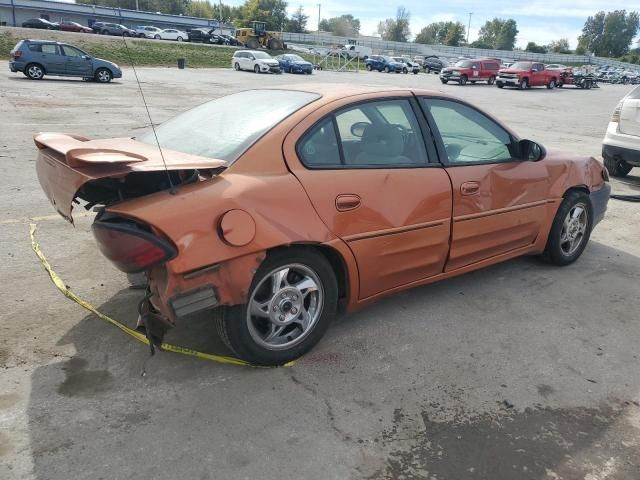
(371, 177)
(475, 71)
(499, 203)
(51, 58)
(538, 75)
(77, 62)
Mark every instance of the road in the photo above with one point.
(519, 371)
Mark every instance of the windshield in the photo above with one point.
(521, 66)
(464, 64)
(296, 58)
(261, 55)
(398, 59)
(224, 128)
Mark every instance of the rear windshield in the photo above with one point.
(224, 128)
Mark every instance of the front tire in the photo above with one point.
(617, 167)
(103, 75)
(386, 70)
(369, 68)
(236, 67)
(292, 300)
(524, 84)
(256, 69)
(570, 230)
(463, 80)
(179, 39)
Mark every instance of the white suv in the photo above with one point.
(621, 144)
(259, 62)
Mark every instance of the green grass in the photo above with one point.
(138, 51)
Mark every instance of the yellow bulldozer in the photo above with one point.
(256, 36)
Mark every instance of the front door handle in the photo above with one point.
(346, 202)
(469, 188)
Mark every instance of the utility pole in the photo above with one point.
(137, 6)
(221, 17)
(469, 27)
(319, 5)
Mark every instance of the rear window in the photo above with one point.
(491, 66)
(215, 130)
(18, 46)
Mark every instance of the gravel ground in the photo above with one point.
(519, 371)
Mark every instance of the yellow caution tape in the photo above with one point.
(129, 331)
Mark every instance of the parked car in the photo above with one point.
(256, 60)
(231, 40)
(173, 34)
(74, 27)
(383, 63)
(479, 70)
(433, 64)
(556, 66)
(37, 58)
(148, 31)
(200, 34)
(410, 65)
(526, 75)
(321, 201)
(40, 23)
(292, 63)
(217, 39)
(115, 29)
(97, 26)
(621, 144)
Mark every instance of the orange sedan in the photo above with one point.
(275, 208)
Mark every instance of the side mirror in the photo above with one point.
(86, 57)
(357, 129)
(531, 151)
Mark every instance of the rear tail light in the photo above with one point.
(605, 174)
(129, 245)
(616, 113)
(16, 54)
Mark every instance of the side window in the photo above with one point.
(51, 49)
(468, 135)
(72, 52)
(319, 147)
(35, 47)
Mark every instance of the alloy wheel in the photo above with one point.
(285, 307)
(573, 229)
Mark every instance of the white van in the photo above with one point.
(353, 51)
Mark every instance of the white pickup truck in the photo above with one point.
(353, 51)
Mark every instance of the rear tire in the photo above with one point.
(552, 84)
(617, 167)
(570, 230)
(253, 44)
(491, 80)
(247, 335)
(34, 71)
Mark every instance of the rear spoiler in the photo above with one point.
(78, 155)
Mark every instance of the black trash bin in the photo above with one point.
(181, 63)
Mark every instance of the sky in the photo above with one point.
(539, 21)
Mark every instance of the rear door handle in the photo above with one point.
(347, 201)
(469, 188)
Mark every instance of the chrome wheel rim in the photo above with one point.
(35, 72)
(574, 229)
(285, 307)
(103, 76)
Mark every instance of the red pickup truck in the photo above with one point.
(526, 75)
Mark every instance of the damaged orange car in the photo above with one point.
(275, 208)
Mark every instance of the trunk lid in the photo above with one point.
(107, 171)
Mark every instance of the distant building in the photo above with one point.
(14, 12)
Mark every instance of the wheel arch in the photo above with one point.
(44, 69)
(335, 259)
(576, 188)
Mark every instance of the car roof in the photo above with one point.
(48, 42)
(330, 91)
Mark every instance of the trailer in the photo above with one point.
(578, 79)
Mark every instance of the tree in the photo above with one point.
(559, 46)
(500, 34)
(447, 33)
(396, 29)
(272, 12)
(298, 21)
(455, 34)
(535, 48)
(343, 26)
(609, 34)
